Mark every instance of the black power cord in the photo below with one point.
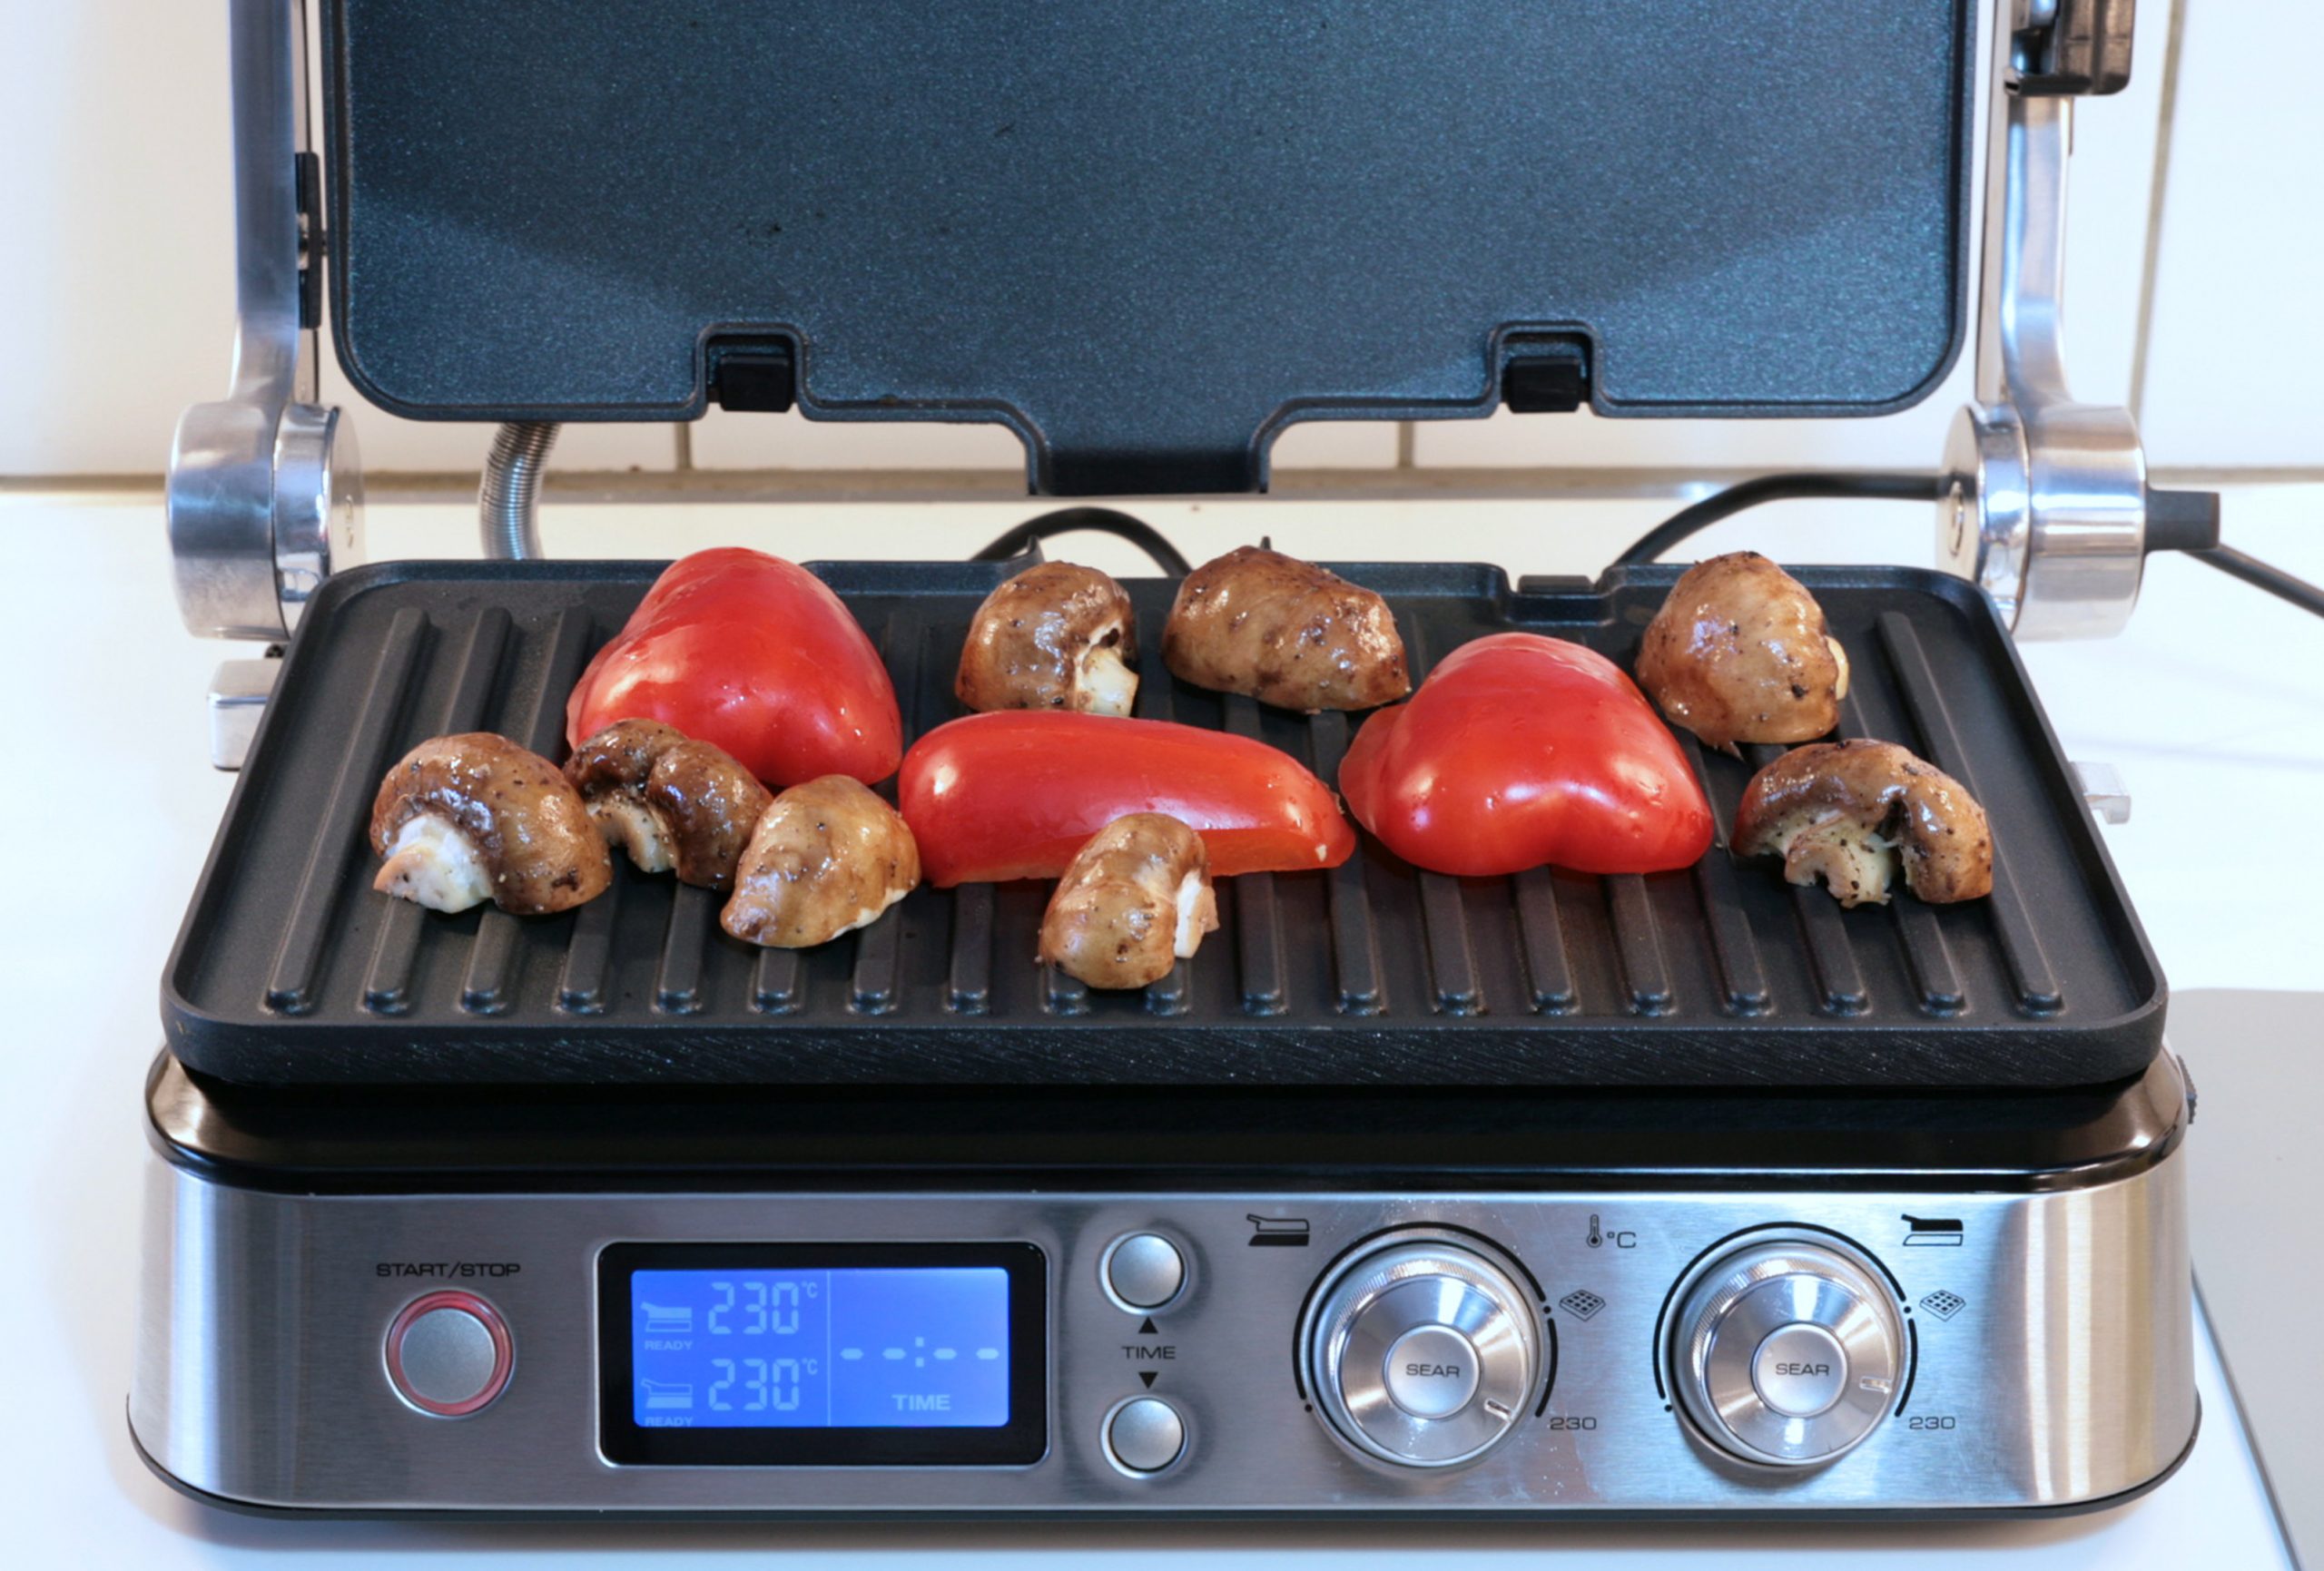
(2299, 592)
(1096, 520)
(2182, 521)
(1882, 487)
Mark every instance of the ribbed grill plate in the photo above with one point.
(289, 968)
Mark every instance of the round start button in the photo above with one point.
(1800, 1371)
(449, 1354)
(1431, 1372)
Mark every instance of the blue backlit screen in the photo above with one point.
(889, 1347)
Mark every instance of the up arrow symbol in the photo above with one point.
(1146, 1328)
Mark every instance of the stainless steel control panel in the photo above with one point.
(1326, 1352)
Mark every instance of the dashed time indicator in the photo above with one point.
(921, 1346)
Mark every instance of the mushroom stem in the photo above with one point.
(1107, 686)
(626, 823)
(432, 863)
(1855, 864)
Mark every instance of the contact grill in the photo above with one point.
(291, 969)
(1545, 1195)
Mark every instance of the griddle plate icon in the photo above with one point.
(1934, 1232)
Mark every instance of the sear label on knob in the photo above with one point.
(1431, 1372)
(1799, 1370)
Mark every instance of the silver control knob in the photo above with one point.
(1421, 1352)
(1786, 1352)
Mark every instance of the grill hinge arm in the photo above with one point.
(264, 492)
(2046, 505)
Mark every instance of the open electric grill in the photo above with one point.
(1682, 1193)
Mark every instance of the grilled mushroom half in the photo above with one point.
(1285, 631)
(828, 858)
(670, 802)
(1056, 636)
(1845, 810)
(472, 818)
(1739, 652)
(1135, 899)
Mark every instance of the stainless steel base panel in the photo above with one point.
(2048, 1352)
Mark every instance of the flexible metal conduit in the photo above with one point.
(508, 502)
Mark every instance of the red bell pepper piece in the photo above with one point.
(1518, 750)
(753, 654)
(1013, 794)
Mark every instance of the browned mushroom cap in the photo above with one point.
(668, 801)
(1739, 652)
(826, 859)
(1842, 811)
(1285, 631)
(1135, 898)
(472, 818)
(1056, 636)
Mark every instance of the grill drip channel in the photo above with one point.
(291, 969)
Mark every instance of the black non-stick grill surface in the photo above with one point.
(291, 969)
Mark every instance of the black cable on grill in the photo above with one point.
(1864, 485)
(2182, 521)
(2235, 563)
(1097, 520)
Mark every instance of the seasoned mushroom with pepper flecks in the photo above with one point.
(1056, 636)
(1134, 899)
(1285, 631)
(828, 858)
(669, 802)
(1739, 652)
(1847, 812)
(467, 819)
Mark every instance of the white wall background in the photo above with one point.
(115, 256)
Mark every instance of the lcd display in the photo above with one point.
(823, 1354)
(819, 1349)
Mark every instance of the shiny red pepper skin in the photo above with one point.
(1520, 750)
(753, 654)
(1013, 795)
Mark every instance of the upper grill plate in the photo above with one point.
(1146, 237)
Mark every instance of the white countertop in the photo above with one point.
(2212, 706)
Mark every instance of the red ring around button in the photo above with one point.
(504, 1352)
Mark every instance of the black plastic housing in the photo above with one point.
(289, 969)
(1146, 235)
